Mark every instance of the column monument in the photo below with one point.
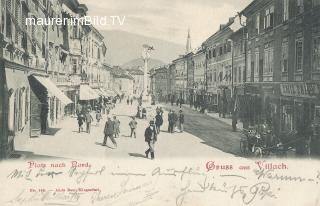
(146, 50)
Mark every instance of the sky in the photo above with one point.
(167, 19)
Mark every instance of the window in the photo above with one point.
(299, 6)
(240, 72)
(268, 18)
(249, 65)
(268, 59)
(316, 2)
(257, 25)
(235, 75)
(285, 10)
(256, 64)
(74, 66)
(8, 20)
(299, 54)
(316, 53)
(284, 55)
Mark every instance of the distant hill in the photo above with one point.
(123, 47)
(135, 63)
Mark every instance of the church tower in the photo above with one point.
(188, 45)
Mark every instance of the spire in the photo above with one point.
(188, 45)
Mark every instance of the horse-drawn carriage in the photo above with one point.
(260, 141)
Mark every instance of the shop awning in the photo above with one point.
(109, 93)
(53, 89)
(87, 93)
(117, 92)
(99, 92)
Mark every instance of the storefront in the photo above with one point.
(14, 106)
(45, 98)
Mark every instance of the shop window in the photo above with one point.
(287, 118)
(316, 54)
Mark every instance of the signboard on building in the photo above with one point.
(300, 89)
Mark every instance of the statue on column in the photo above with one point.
(146, 52)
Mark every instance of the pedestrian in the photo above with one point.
(181, 120)
(89, 119)
(161, 111)
(131, 101)
(175, 120)
(128, 101)
(98, 117)
(144, 113)
(170, 122)
(116, 126)
(80, 119)
(234, 121)
(150, 136)
(159, 122)
(108, 132)
(133, 126)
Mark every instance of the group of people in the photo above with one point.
(175, 119)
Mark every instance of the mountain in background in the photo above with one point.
(123, 47)
(136, 63)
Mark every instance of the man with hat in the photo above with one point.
(150, 135)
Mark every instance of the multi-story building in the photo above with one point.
(181, 78)
(42, 66)
(219, 68)
(137, 74)
(171, 84)
(283, 64)
(190, 79)
(159, 83)
(199, 86)
(29, 55)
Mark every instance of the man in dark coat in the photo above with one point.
(159, 121)
(89, 119)
(150, 136)
(108, 132)
(170, 121)
(175, 120)
(181, 120)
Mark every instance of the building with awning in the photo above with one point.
(87, 93)
(53, 90)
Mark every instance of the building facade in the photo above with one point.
(219, 69)
(41, 67)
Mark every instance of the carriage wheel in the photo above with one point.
(244, 147)
(257, 152)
